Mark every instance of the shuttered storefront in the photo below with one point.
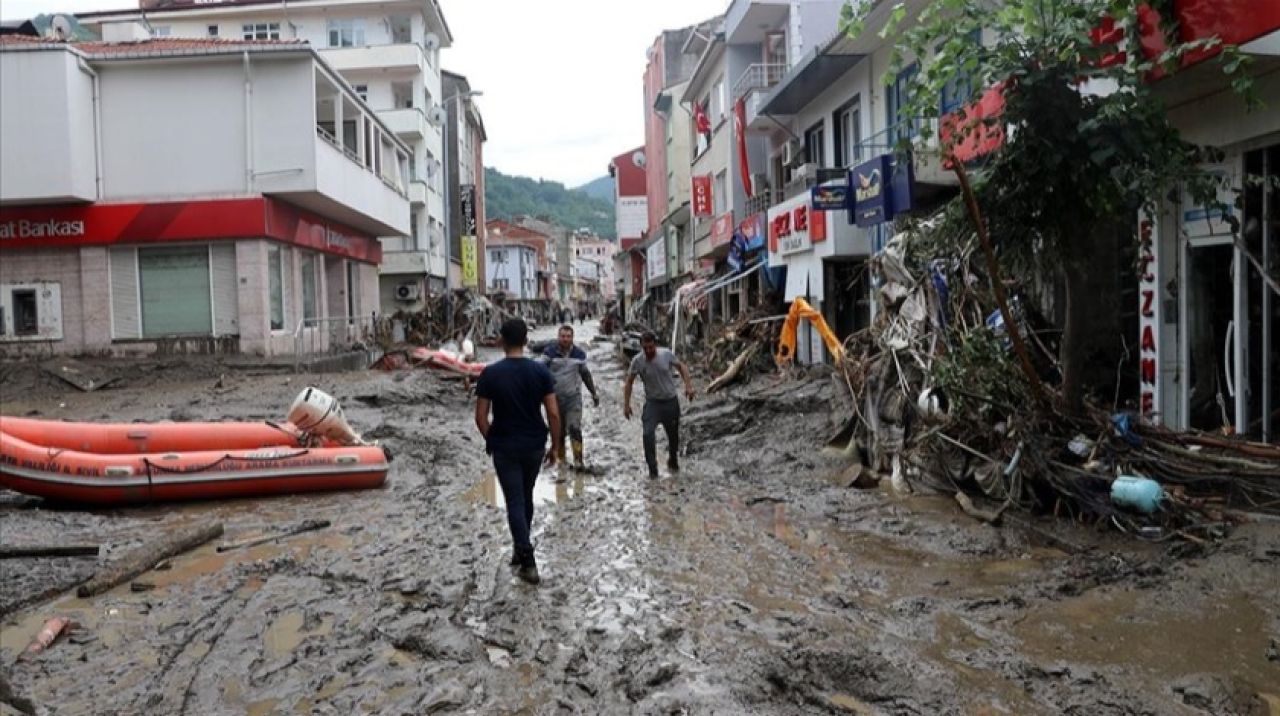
(174, 291)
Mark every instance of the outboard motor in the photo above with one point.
(317, 413)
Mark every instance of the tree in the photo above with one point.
(1087, 140)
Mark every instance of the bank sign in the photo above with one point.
(881, 189)
(27, 229)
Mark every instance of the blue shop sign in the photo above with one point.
(829, 197)
(881, 189)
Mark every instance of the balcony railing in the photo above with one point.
(758, 77)
(761, 202)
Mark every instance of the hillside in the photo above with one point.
(601, 188)
(505, 196)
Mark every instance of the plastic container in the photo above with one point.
(1137, 493)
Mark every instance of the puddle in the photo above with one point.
(286, 633)
(546, 491)
(262, 708)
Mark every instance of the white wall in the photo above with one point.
(632, 217)
(46, 128)
(154, 146)
(517, 265)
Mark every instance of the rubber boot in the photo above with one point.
(577, 455)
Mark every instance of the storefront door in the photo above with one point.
(1211, 335)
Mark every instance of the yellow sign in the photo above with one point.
(470, 277)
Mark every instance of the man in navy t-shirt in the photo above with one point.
(518, 390)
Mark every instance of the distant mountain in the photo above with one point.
(506, 196)
(601, 188)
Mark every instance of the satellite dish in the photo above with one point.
(431, 42)
(437, 116)
(60, 28)
(638, 159)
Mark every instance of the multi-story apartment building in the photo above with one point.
(387, 52)
(189, 196)
(601, 252)
(630, 198)
(464, 139)
(561, 246)
(667, 144)
(544, 247)
(512, 270)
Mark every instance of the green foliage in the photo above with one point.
(980, 365)
(506, 196)
(599, 188)
(1073, 158)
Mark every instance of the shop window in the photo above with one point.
(26, 315)
(309, 287)
(175, 288)
(275, 286)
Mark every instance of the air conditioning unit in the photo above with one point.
(792, 153)
(804, 171)
(408, 291)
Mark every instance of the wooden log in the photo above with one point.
(734, 369)
(49, 550)
(308, 526)
(149, 555)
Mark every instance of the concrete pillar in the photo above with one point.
(95, 299)
(254, 303)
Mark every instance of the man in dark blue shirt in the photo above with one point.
(517, 389)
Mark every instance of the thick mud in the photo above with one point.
(754, 581)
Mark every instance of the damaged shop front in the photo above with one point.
(823, 255)
(1209, 279)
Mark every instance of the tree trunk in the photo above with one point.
(1089, 348)
(148, 556)
(1071, 353)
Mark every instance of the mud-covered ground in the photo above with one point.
(753, 582)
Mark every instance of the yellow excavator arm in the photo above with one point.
(800, 308)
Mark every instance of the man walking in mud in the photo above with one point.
(517, 390)
(568, 364)
(661, 403)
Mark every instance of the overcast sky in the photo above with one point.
(562, 79)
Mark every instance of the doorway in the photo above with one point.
(1210, 336)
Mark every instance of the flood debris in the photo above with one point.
(51, 630)
(48, 550)
(149, 555)
(939, 400)
(307, 526)
(83, 376)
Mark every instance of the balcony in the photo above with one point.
(747, 20)
(404, 56)
(410, 123)
(400, 263)
(417, 192)
(758, 77)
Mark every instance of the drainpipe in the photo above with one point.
(97, 126)
(248, 125)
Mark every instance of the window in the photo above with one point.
(261, 31)
(717, 102)
(175, 289)
(26, 320)
(497, 257)
(719, 191)
(161, 30)
(212, 31)
(363, 92)
(815, 144)
(956, 93)
(413, 227)
(309, 286)
(346, 33)
(275, 286)
(848, 134)
(896, 97)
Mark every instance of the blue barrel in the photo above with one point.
(1137, 493)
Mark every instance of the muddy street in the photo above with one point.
(755, 581)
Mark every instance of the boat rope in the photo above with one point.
(296, 437)
(183, 470)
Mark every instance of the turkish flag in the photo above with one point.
(701, 122)
(740, 128)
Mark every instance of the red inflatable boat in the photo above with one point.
(130, 463)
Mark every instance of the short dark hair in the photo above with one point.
(567, 327)
(648, 337)
(514, 332)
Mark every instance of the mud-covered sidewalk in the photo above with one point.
(753, 582)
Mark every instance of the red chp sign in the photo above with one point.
(1149, 317)
(702, 200)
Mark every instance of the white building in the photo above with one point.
(600, 252)
(389, 54)
(512, 270)
(188, 195)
